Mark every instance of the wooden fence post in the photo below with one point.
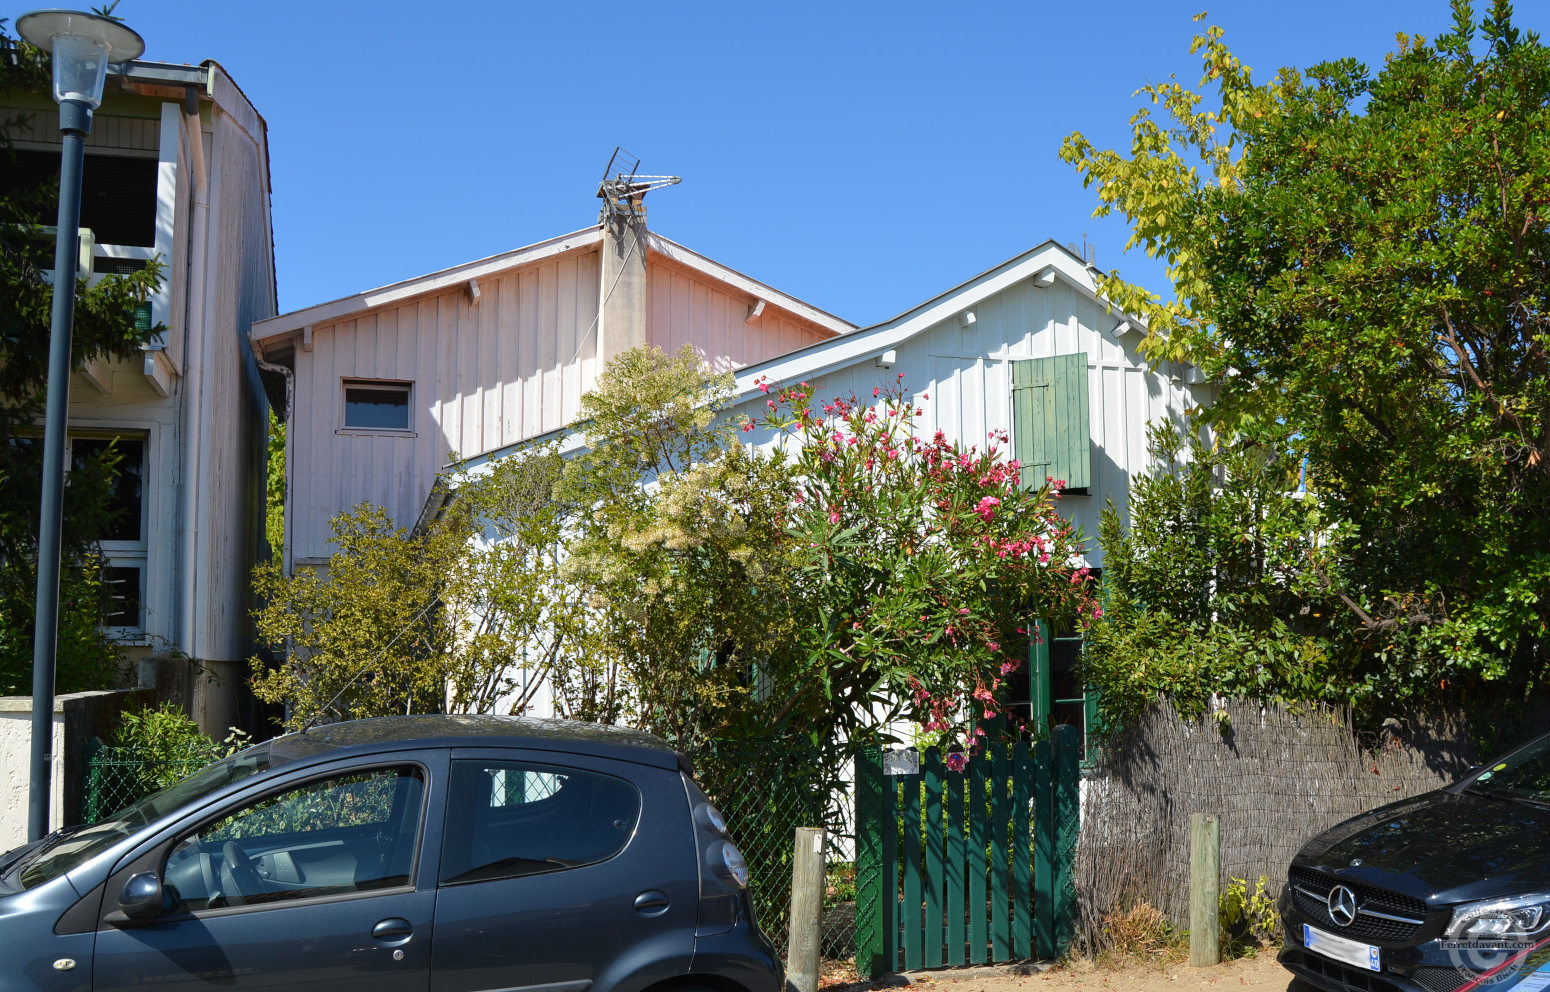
(807, 891)
(1205, 872)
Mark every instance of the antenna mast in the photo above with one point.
(623, 188)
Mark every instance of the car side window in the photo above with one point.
(512, 818)
(347, 833)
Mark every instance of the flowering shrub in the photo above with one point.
(925, 563)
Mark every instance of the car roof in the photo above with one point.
(477, 730)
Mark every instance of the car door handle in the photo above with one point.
(651, 903)
(393, 930)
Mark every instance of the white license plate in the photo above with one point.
(1341, 949)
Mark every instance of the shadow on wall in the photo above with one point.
(1274, 776)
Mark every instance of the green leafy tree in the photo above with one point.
(1201, 588)
(920, 564)
(104, 328)
(368, 635)
(1360, 261)
(521, 628)
(687, 574)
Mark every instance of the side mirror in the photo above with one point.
(143, 897)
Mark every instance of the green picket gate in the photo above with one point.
(971, 866)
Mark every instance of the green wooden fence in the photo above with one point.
(966, 867)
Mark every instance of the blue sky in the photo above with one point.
(859, 156)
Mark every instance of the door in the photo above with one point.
(311, 885)
(561, 871)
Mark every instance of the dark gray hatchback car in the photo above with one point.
(423, 852)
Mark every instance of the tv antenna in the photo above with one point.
(623, 187)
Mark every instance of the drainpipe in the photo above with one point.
(193, 372)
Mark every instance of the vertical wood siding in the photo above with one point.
(120, 133)
(483, 375)
(685, 307)
(232, 504)
(966, 374)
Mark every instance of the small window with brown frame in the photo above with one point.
(377, 405)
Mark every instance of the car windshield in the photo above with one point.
(1523, 775)
(68, 848)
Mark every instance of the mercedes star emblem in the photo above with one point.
(1342, 906)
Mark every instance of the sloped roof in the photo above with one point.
(276, 329)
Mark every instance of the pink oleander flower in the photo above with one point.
(748, 426)
(834, 516)
(875, 391)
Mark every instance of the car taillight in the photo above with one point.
(711, 819)
(733, 868)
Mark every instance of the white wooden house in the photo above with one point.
(1028, 347)
(177, 168)
(389, 385)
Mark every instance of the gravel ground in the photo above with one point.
(1257, 974)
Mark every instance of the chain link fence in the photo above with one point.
(117, 777)
(766, 792)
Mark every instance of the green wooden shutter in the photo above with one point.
(1050, 430)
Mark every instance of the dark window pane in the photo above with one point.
(377, 407)
(506, 819)
(128, 492)
(123, 588)
(118, 195)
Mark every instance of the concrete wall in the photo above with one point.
(78, 717)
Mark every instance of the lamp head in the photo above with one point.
(82, 45)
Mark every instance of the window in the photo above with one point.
(1049, 688)
(376, 406)
(123, 543)
(1050, 423)
(506, 819)
(118, 195)
(351, 833)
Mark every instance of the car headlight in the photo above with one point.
(1520, 916)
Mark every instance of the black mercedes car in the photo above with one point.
(1445, 892)
(427, 853)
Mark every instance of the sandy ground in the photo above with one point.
(1258, 974)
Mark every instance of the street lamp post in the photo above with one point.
(82, 45)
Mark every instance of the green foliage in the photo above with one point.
(1249, 920)
(1362, 269)
(920, 564)
(1203, 591)
(521, 627)
(274, 488)
(688, 577)
(104, 327)
(164, 745)
(367, 636)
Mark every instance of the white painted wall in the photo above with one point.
(966, 374)
(16, 768)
